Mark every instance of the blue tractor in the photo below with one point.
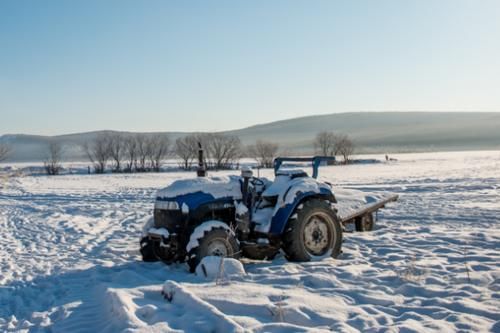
(245, 216)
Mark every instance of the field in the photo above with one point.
(69, 258)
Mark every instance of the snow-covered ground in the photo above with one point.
(69, 258)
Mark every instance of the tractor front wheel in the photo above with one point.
(314, 232)
(215, 242)
(147, 250)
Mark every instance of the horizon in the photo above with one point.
(219, 66)
(235, 129)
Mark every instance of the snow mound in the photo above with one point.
(193, 307)
(213, 267)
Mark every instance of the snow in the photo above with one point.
(200, 230)
(69, 258)
(262, 218)
(147, 226)
(287, 190)
(159, 231)
(185, 208)
(218, 187)
(240, 208)
(350, 201)
(213, 268)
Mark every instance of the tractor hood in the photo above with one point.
(196, 191)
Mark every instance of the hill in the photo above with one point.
(371, 131)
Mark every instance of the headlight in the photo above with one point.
(166, 205)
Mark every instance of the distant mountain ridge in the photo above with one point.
(371, 132)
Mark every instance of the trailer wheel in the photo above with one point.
(215, 242)
(315, 233)
(365, 222)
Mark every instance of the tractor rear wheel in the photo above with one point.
(215, 242)
(314, 232)
(365, 222)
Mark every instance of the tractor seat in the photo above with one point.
(282, 183)
(292, 173)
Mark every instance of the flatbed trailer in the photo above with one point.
(368, 209)
(363, 216)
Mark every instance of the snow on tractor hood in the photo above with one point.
(217, 187)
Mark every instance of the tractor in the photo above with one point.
(247, 216)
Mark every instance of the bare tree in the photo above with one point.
(325, 143)
(130, 152)
(5, 151)
(116, 150)
(224, 150)
(186, 149)
(52, 163)
(98, 151)
(264, 152)
(158, 150)
(143, 151)
(345, 147)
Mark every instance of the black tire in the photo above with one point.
(318, 215)
(147, 250)
(365, 222)
(216, 242)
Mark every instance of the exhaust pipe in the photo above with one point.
(202, 170)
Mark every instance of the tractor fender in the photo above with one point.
(201, 229)
(283, 214)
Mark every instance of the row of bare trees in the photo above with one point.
(141, 152)
(222, 151)
(138, 152)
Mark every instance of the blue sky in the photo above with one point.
(71, 66)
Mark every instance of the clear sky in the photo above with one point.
(71, 66)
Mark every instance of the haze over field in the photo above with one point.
(381, 132)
